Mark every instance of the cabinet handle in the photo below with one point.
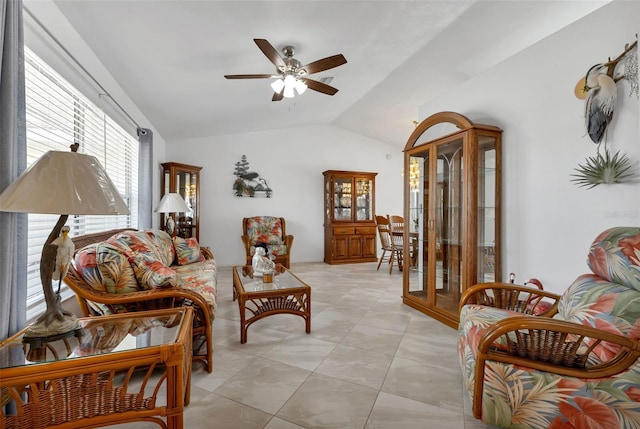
(431, 224)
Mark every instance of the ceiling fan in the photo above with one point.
(291, 73)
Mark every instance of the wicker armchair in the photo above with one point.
(576, 361)
(269, 230)
(93, 302)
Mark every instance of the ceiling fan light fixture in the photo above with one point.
(277, 86)
(288, 92)
(289, 81)
(292, 75)
(300, 87)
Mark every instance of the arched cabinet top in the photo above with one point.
(460, 121)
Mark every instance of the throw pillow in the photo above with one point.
(187, 250)
(152, 274)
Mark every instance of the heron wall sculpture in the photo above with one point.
(598, 89)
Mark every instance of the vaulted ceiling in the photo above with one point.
(171, 56)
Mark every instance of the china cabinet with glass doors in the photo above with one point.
(349, 222)
(452, 199)
(185, 180)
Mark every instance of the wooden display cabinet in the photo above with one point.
(185, 180)
(349, 221)
(452, 200)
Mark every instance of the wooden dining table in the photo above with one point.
(398, 238)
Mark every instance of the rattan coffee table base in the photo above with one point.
(255, 304)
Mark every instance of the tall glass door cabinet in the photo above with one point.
(452, 202)
(185, 180)
(349, 222)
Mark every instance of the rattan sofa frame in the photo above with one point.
(147, 300)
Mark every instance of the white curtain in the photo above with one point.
(13, 160)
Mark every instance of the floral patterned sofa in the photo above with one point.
(128, 270)
(270, 230)
(575, 365)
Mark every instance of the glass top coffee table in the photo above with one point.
(258, 299)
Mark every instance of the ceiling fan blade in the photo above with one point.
(319, 86)
(248, 76)
(277, 96)
(270, 52)
(325, 64)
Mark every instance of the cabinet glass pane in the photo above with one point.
(184, 180)
(486, 209)
(363, 200)
(418, 239)
(327, 201)
(342, 199)
(448, 224)
(190, 194)
(185, 186)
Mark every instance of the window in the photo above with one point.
(57, 116)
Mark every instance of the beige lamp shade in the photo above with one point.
(64, 183)
(172, 203)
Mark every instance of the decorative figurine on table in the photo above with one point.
(261, 263)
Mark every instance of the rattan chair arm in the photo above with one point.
(288, 241)
(550, 345)
(247, 243)
(206, 252)
(556, 346)
(508, 296)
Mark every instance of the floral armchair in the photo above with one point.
(575, 365)
(271, 231)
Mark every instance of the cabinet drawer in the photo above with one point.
(366, 230)
(344, 230)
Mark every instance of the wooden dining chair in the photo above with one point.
(396, 224)
(384, 231)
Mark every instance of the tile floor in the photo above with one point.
(369, 362)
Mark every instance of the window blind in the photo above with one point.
(58, 115)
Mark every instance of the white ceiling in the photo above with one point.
(170, 56)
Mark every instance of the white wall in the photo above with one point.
(549, 222)
(292, 162)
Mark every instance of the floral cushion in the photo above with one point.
(200, 277)
(266, 229)
(152, 274)
(141, 260)
(595, 302)
(154, 243)
(615, 256)
(187, 250)
(106, 269)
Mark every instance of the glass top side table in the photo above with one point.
(105, 373)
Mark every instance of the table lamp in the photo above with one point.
(172, 202)
(61, 183)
